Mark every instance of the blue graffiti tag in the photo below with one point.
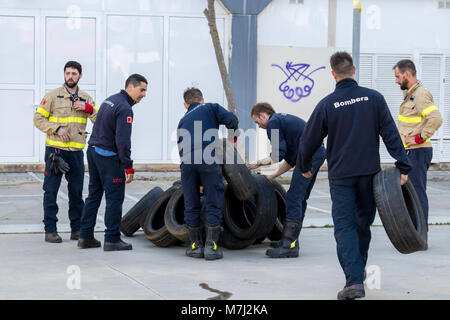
(297, 72)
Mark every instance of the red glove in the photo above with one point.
(88, 108)
(129, 171)
(418, 139)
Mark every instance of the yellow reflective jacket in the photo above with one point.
(418, 115)
(55, 110)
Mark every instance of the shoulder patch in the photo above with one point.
(129, 119)
(44, 102)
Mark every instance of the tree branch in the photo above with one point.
(211, 17)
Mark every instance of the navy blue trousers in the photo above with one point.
(353, 211)
(105, 175)
(52, 182)
(421, 161)
(301, 187)
(210, 176)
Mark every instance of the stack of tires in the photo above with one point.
(253, 209)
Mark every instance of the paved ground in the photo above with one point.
(33, 269)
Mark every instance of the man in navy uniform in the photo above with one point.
(353, 117)
(284, 132)
(109, 161)
(199, 168)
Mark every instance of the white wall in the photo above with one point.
(166, 41)
(400, 25)
(283, 23)
(118, 6)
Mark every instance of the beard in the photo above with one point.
(72, 84)
(404, 84)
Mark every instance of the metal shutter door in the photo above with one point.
(385, 84)
(430, 76)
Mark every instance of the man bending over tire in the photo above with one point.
(286, 130)
(200, 168)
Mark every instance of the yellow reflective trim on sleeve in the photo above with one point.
(97, 108)
(193, 246)
(67, 119)
(426, 111)
(61, 144)
(409, 119)
(42, 111)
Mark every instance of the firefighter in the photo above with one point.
(353, 118)
(418, 120)
(198, 167)
(109, 161)
(284, 131)
(62, 115)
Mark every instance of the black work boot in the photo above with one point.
(53, 237)
(276, 243)
(88, 243)
(288, 246)
(352, 292)
(212, 251)
(196, 248)
(117, 246)
(75, 235)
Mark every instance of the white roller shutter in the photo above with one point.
(366, 71)
(385, 84)
(431, 77)
(446, 114)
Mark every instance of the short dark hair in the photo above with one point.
(135, 80)
(192, 95)
(404, 65)
(72, 64)
(341, 63)
(262, 107)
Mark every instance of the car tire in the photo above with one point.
(154, 225)
(132, 220)
(400, 211)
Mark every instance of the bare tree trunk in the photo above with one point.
(210, 14)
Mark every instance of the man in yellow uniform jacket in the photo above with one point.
(418, 120)
(62, 115)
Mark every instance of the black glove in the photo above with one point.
(58, 164)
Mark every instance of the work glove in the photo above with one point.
(58, 164)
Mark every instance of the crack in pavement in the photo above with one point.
(138, 282)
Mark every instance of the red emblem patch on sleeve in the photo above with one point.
(129, 119)
(43, 102)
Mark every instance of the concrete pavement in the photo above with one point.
(33, 269)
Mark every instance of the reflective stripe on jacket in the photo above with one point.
(418, 115)
(55, 110)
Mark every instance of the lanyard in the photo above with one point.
(73, 96)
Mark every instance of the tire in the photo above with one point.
(236, 173)
(226, 239)
(400, 211)
(177, 184)
(229, 241)
(154, 226)
(174, 216)
(236, 213)
(133, 219)
(277, 230)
